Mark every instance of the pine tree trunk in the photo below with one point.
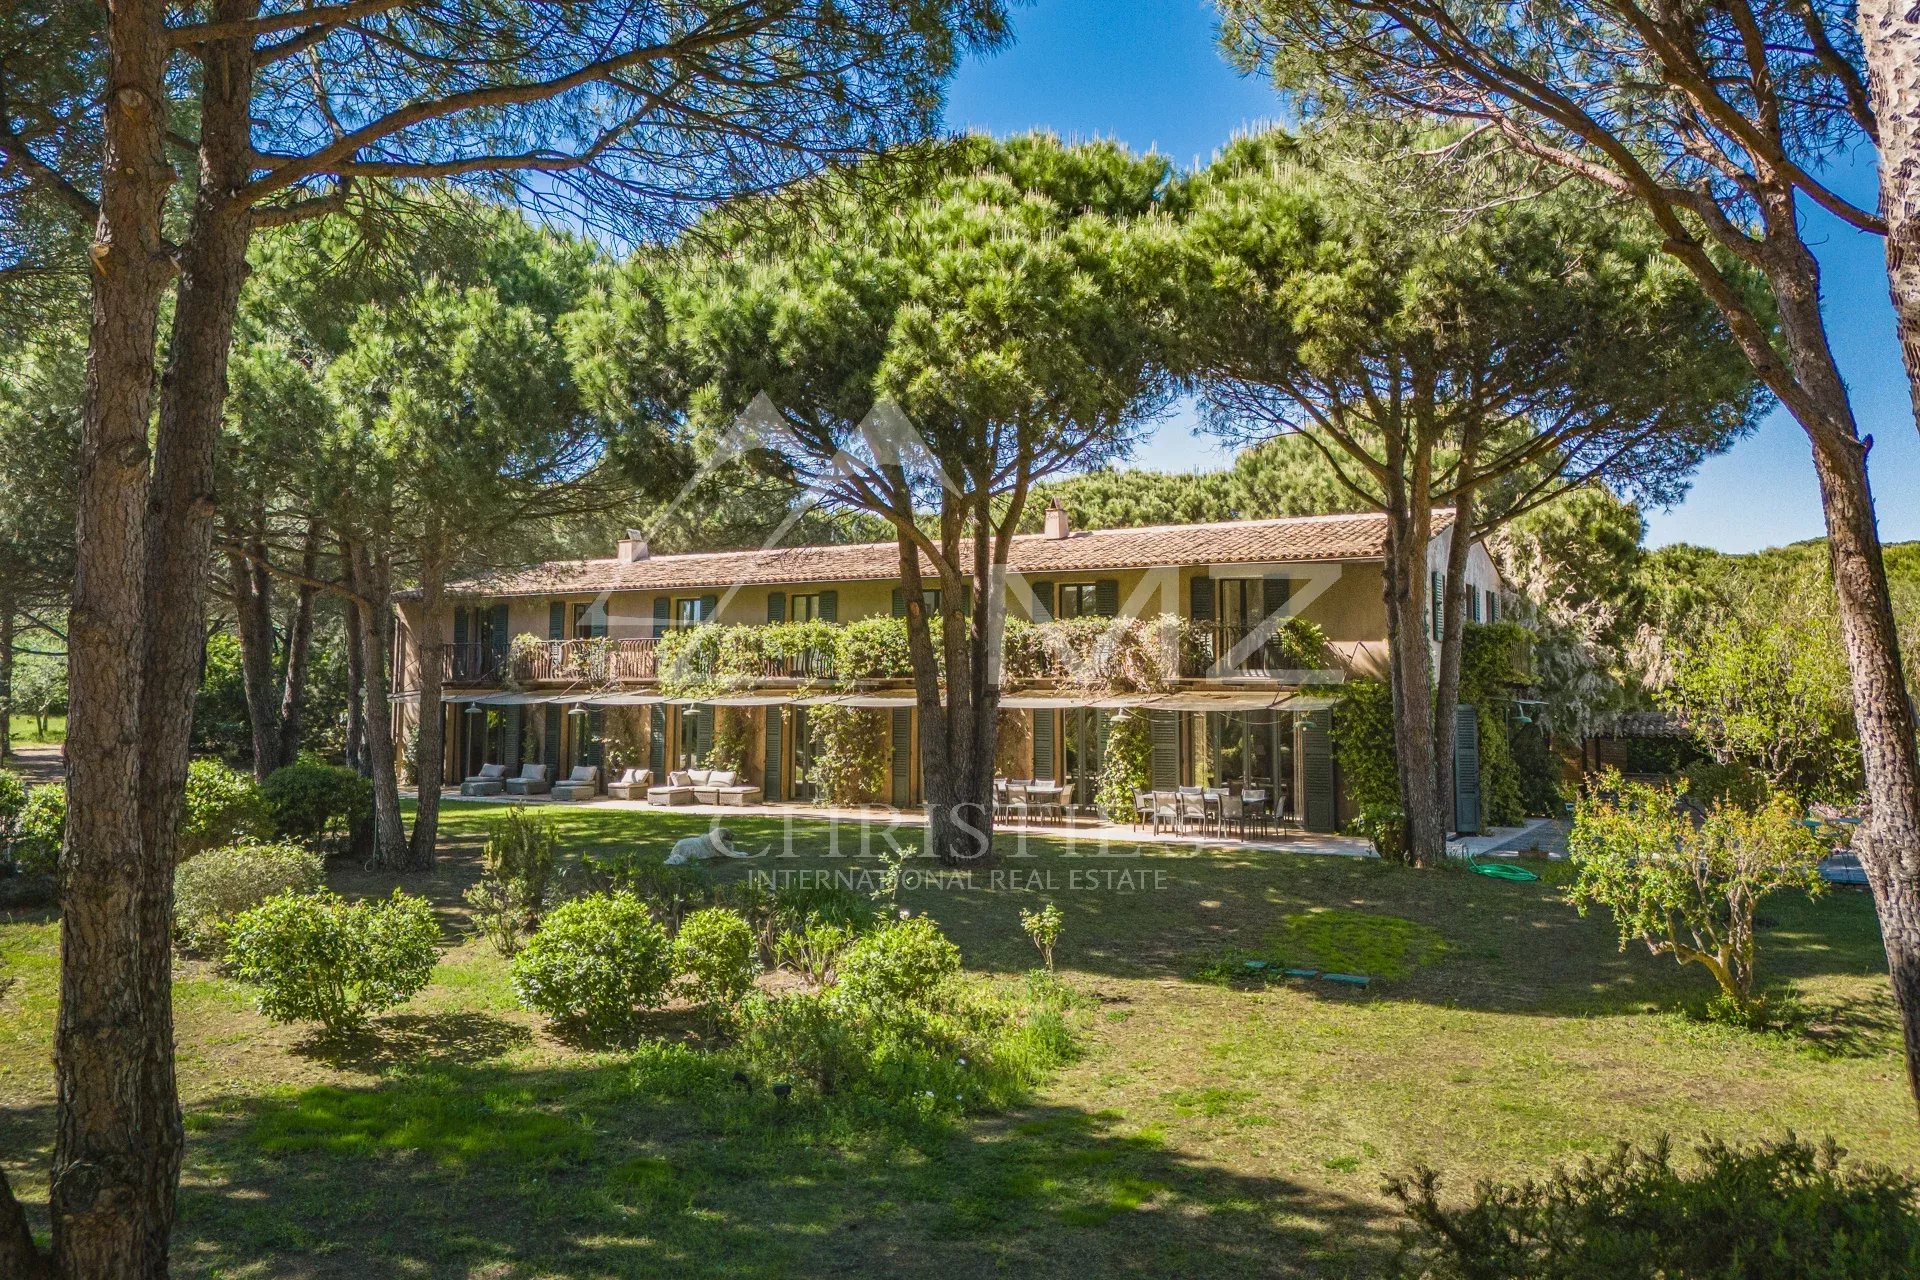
(6, 680)
(1890, 36)
(180, 519)
(1888, 843)
(113, 1131)
(429, 651)
(356, 733)
(1453, 643)
(293, 693)
(371, 578)
(252, 596)
(1410, 661)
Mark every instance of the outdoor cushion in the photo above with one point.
(531, 782)
(679, 778)
(722, 778)
(490, 772)
(700, 777)
(584, 773)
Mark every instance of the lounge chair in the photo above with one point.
(723, 786)
(582, 784)
(490, 781)
(632, 785)
(677, 789)
(531, 782)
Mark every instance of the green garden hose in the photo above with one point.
(1501, 871)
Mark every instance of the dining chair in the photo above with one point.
(1018, 807)
(1193, 809)
(1166, 810)
(1142, 809)
(1254, 810)
(1233, 813)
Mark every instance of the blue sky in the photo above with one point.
(1147, 73)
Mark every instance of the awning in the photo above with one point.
(496, 699)
(616, 699)
(737, 700)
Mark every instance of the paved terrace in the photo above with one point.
(1541, 833)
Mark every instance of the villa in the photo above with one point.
(555, 662)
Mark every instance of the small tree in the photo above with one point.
(1043, 927)
(1685, 885)
(317, 956)
(40, 690)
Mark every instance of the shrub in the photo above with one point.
(803, 1038)
(13, 801)
(595, 964)
(38, 831)
(519, 866)
(1687, 886)
(851, 754)
(802, 901)
(1043, 929)
(669, 892)
(713, 954)
(310, 800)
(1127, 766)
(223, 806)
(210, 891)
(812, 950)
(898, 965)
(318, 957)
(1363, 746)
(1774, 1211)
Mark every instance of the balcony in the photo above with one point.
(1218, 650)
(597, 661)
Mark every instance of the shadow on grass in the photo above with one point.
(415, 1038)
(453, 1171)
(1141, 910)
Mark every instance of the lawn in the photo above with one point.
(1212, 1126)
(26, 731)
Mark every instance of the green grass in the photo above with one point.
(1239, 1128)
(26, 731)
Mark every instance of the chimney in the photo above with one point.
(633, 547)
(1057, 523)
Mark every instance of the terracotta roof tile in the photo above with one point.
(1360, 536)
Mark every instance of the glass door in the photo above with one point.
(802, 724)
(1083, 750)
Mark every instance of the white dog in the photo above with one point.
(717, 843)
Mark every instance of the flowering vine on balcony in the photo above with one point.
(1092, 655)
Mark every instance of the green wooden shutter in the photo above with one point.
(703, 736)
(902, 793)
(899, 603)
(1200, 598)
(1466, 770)
(1319, 811)
(1163, 731)
(657, 742)
(1043, 602)
(1473, 603)
(662, 614)
(776, 606)
(512, 760)
(1493, 606)
(591, 749)
(460, 628)
(557, 620)
(499, 637)
(829, 606)
(1106, 597)
(1437, 601)
(770, 774)
(1274, 594)
(709, 608)
(550, 749)
(1043, 743)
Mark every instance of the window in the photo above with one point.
(589, 620)
(1243, 601)
(691, 611)
(1493, 606)
(1077, 600)
(804, 608)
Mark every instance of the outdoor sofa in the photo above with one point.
(677, 789)
(490, 781)
(722, 786)
(531, 782)
(631, 785)
(582, 784)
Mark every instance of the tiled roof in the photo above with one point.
(1304, 539)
